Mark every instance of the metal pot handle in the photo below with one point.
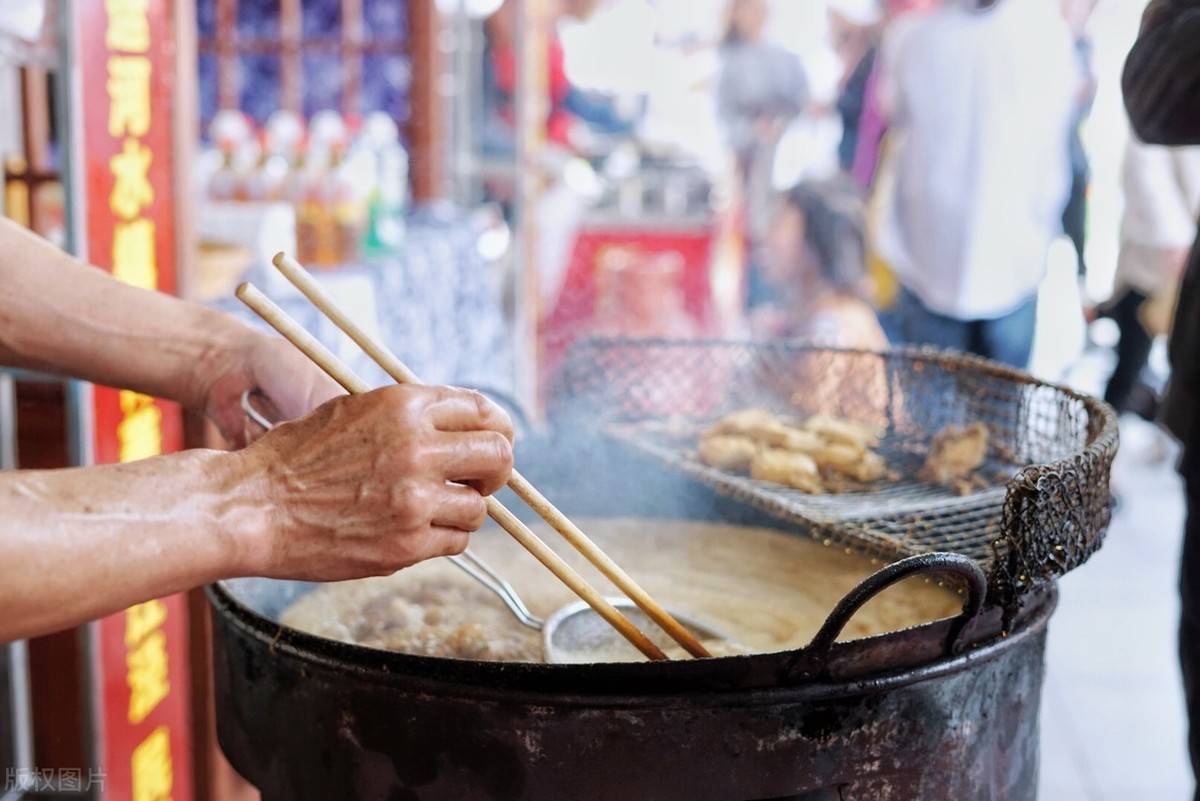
(814, 661)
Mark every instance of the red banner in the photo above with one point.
(125, 63)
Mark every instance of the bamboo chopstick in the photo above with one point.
(278, 319)
(391, 364)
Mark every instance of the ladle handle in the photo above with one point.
(814, 662)
(479, 570)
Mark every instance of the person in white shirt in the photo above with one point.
(980, 96)
(761, 89)
(1162, 202)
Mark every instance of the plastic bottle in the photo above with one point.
(346, 207)
(223, 185)
(388, 198)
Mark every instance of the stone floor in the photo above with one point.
(1112, 718)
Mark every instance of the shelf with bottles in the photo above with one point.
(346, 179)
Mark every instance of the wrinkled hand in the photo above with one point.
(369, 484)
(293, 385)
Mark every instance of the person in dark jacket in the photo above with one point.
(1160, 82)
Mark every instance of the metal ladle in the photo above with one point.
(574, 634)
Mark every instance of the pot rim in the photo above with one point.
(740, 680)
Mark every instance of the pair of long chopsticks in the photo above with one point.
(398, 371)
(339, 372)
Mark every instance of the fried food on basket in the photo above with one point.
(744, 422)
(780, 435)
(789, 468)
(764, 428)
(954, 454)
(728, 451)
(822, 453)
(847, 432)
(849, 460)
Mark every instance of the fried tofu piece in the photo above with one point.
(849, 460)
(743, 422)
(789, 468)
(727, 452)
(781, 452)
(839, 430)
(954, 453)
(766, 429)
(780, 435)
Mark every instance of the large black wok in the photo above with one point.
(947, 710)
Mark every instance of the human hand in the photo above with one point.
(292, 384)
(369, 484)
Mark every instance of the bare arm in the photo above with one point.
(358, 488)
(361, 486)
(61, 316)
(84, 542)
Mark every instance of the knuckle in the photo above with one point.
(455, 543)
(408, 456)
(478, 515)
(493, 416)
(411, 504)
(501, 451)
(483, 406)
(331, 410)
(424, 546)
(406, 403)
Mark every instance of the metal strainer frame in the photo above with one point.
(1052, 448)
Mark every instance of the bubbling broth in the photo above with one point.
(764, 589)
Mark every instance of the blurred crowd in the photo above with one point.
(957, 163)
(961, 162)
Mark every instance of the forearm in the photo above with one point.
(78, 544)
(61, 316)
(1161, 73)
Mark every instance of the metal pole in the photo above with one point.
(531, 98)
(22, 715)
(16, 653)
(78, 393)
(460, 78)
(8, 423)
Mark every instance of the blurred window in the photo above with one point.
(351, 56)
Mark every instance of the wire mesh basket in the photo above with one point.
(1044, 505)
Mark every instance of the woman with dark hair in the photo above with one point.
(816, 269)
